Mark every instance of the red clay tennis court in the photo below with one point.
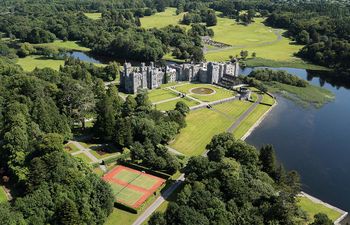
(132, 187)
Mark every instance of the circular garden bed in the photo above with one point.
(202, 91)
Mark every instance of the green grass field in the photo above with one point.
(160, 95)
(171, 104)
(83, 157)
(312, 208)
(293, 63)
(221, 93)
(268, 100)
(266, 42)
(125, 195)
(251, 119)
(102, 152)
(203, 124)
(162, 19)
(137, 179)
(68, 45)
(29, 63)
(3, 197)
(93, 16)
(304, 96)
(71, 148)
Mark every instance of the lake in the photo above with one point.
(315, 142)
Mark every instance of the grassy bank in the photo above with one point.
(29, 63)
(295, 63)
(68, 45)
(311, 208)
(304, 96)
(3, 197)
(250, 121)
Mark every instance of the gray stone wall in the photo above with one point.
(149, 77)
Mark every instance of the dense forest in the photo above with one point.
(236, 184)
(322, 26)
(37, 114)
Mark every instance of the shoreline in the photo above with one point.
(258, 122)
(344, 214)
(319, 201)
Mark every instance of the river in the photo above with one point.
(315, 142)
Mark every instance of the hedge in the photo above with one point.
(125, 207)
(115, 158)
(147, 170)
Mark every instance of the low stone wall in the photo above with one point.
(204, 105)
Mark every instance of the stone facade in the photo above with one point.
(150, 77)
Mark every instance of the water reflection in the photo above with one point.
(315, 142)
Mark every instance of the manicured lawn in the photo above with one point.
(120, 217)
(160, 95)
(294, 63)
(268, 43)
(267, 99)
(162, 19)
(103, 151)
(256, 37)
(83, 157)
(221, 93)
(171, 104)
(98, 171)
(71, 148)
(203, 124)
(29, 63)
(3, 197)
(68, 45)
(312, 208)
(250, 120)
(93, 16)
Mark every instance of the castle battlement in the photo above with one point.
(150, 77)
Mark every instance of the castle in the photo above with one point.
(150, 77)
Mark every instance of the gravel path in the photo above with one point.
(244, 115)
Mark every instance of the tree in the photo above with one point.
(26, 49)
(50, 142)
(68, 213)
(211, 19)
(321, 219)
(106, 119)
(244, 54)
(143, 104)
(129, 106)
(254, 55)
(303, 37)
(182, 108)
(268, 160)
(77, 100)
(177, 117)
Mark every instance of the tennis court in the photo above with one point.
(132, 187)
